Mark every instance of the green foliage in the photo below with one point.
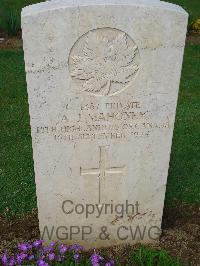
(11, 26)
(9, 22)
(190, 19)
(17, 184)
(150, 257)
(183, 181)
(196, 25)
(15, 6)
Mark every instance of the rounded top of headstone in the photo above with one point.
(59, 4)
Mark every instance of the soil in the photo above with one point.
(181, 233)
(16, 230)
(193, 38)
(180, 237)
(11, 43)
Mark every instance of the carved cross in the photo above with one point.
(102, 171)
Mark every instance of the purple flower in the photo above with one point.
(51, 256)
(51, 247)
(47, 249)
(23, 256)
(23, 247)
(96, 259)
(52, 244)
(77, 256)
(110, 263)
(41, 262)
(62, 249)
(11, 262)
(4, 259)
(38, 243)
(19, 259)
(76, 247)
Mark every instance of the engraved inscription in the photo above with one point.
(110, 120)
(104, 61)
(102, 171)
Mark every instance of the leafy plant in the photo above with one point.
(9, 22)
(148, 257)
(196, 25)
(190, 19)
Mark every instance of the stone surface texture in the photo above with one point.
(103, 79)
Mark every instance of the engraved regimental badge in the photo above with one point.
(104, 61)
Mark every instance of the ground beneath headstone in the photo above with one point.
(181, 234)
(11, 43)
(193, 38)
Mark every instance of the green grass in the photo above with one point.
(17, 187)
(183, 180)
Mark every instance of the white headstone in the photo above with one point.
(103, 79)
